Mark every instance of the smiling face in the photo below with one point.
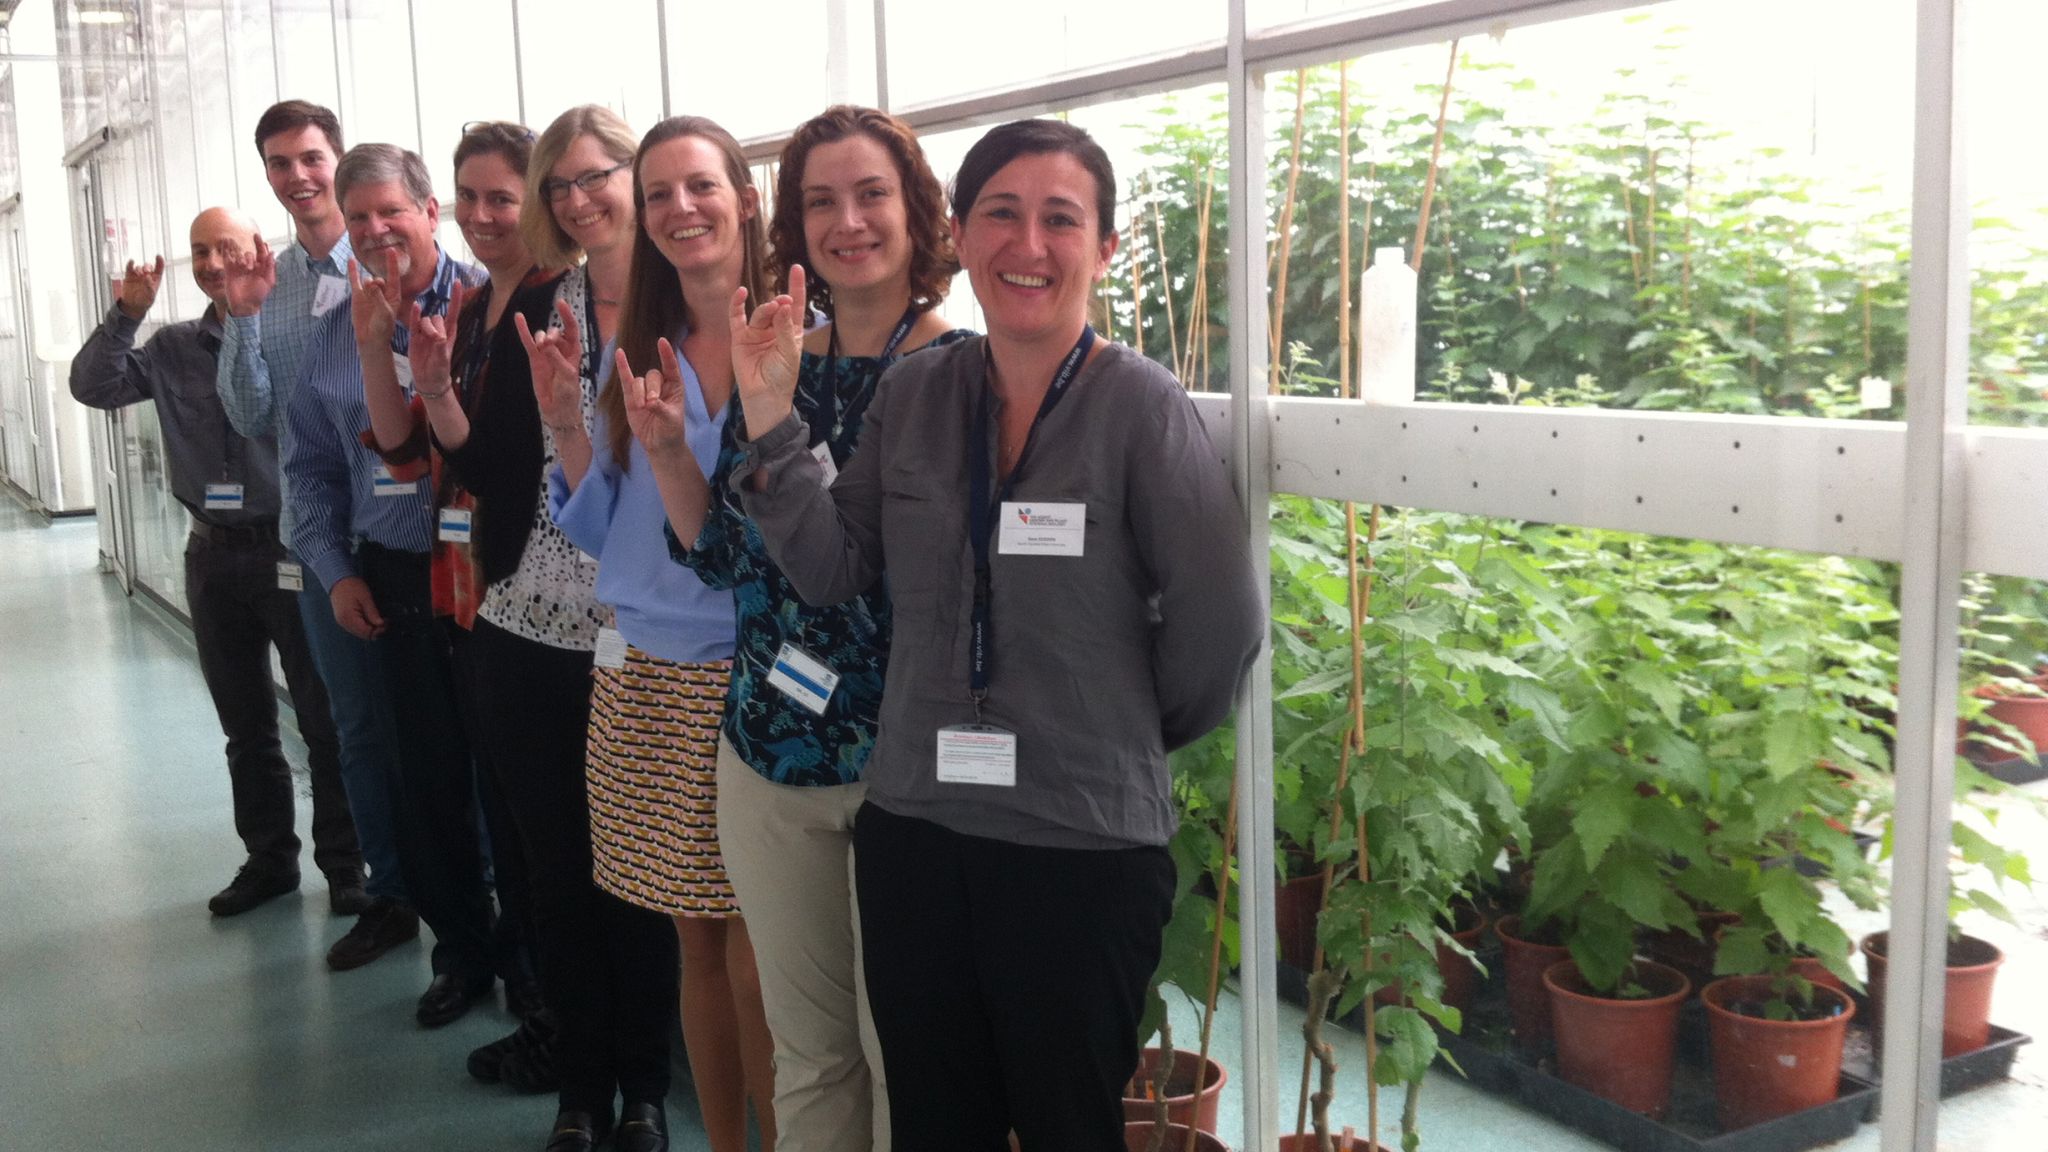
(693, 211)
(596, 221)
(300, 167)
(218, 235)
(383, 219)
(1033, 247)
(856, 229)
(488, 193)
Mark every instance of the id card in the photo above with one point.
(611, 648)
(1035, 529)
(978, 754)
(454, 525)
(330, 293)
(290, 577)
(403, 367)
(383, 483)
(822, 453)
(803, 678)
(223, 497)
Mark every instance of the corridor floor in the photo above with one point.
(129, 1017)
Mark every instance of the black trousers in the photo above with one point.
(238, 614)
(1006, 983)
(439, 844)
(607, 968)
(512, 937)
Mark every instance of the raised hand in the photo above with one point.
(654, 403)
(373, 304)
(767, 351)
(432, 339)
(556, 359)
(138, 288)
(249, 279)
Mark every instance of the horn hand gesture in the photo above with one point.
(767, 351)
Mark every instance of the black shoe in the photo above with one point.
(530, 1068)
(489, 1063)
(643, 1127)
(385, 926)
(448, 997)
(345, 895)
(523, 998)
(250, 887)
(576, 1132)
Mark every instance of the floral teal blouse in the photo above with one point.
(779, 737)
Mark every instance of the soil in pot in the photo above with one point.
(1765, 1068)
(1524, 959)
(1461, 976)
(1181, 1107)
(1138, 1138)
(1966, 1005)
(1618, 1049)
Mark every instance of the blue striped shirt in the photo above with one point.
(332, 473)
(262, 357)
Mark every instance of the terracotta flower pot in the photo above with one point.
(1138, 1138)
(1966, 1005)
(1295, 905)
(1460, 975)
(1619, 1050)
(1181, 1106)
(1693, 956)
(1768, 1068)
(1306, 1142)
(1524, 961)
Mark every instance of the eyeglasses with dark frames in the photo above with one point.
(589, 181)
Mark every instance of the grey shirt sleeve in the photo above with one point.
(828, 541)
(110, 371)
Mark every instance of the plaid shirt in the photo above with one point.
(263, 357)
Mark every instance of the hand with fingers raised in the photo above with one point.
(433, 338)
(655, 403)
(138, 288)
(556, 358)
(767, 351)
(250, 279)
(374, 304)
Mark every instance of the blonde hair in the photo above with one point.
(552, 247)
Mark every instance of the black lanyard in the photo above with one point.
(593, 341)
(837, 426)
(981, 511)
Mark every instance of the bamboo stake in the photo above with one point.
(1344, 229)
(1198, 304)
(1635, 250)
(1137, 280)
(1685, 269)
(1286, 249)
(1436, 153)
(1165, 277)
(1650, 212)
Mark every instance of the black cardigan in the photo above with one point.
(500, 464)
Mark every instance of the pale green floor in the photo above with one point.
(129, 1019)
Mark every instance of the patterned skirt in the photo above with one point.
(652, 772)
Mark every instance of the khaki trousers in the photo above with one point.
(789, 854)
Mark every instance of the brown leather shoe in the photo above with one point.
(385, 926)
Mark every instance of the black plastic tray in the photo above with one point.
(2010, 769)
(1862, 1057)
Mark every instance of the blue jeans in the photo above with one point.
(354, 673)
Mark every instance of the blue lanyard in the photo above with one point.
(837, 427)
(981, 511)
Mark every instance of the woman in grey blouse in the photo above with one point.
(1073, 598)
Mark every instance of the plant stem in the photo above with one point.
(1162, 1071)
(1322, 988)
(1436, 153)
(1216, 945)
(1286, 250)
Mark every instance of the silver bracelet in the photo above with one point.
(423, 394)
(566, 429)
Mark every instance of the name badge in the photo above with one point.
(455, 525)
(822, 453)
(611, 648)
(1035, 529)
(328, 294)
(583, 557)
(223, 497)
(403, 367)
(290, 577)
(977, 754)
(803, 678)
(383, 483)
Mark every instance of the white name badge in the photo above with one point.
(583, 557)
(1035, 529)
(611, 648)
(403, 367)
(290, 577)
(822, 453)
(383, 483)
(978, 754)
(223, 497)
(328, 294)
(803, 678)
(454, 525)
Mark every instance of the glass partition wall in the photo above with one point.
(1627, 399)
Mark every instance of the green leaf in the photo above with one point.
(1543, 707)
(1791, 745)
(1602, 817)
(1661, 689)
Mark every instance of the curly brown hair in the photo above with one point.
(932, 262)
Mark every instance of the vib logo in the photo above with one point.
(1023, 515)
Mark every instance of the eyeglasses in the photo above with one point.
(521, 130)
(590, 181)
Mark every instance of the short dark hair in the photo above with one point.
(503, 138)
(932, 263)
(292, 115)
(1006, 142)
